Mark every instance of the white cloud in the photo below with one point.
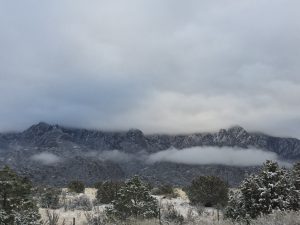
(214, 155)
(46, 158)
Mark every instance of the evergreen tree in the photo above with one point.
(235, 208)
(134, 200)
(295, 176)
(274, 188)
(49, 197)
(107, 192)
(208, 190)
(271, 189)
(76, 186)
(16, 202)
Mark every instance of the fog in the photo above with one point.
(194, 156)
(214, 155)
(46, 158)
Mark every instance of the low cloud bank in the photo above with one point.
(46, 158)
(214, 155)
(230, 156)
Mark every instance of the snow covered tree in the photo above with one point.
(275, 188)
(133, 200)
(271, 189)
(295, 176)
(235, 208)
(16, 202)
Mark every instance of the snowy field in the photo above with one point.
(192, 215)
(181, 205)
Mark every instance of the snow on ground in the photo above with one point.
(181, 205)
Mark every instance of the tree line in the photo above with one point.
(273, 188)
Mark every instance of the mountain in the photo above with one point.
(53, 154)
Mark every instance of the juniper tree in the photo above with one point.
(133, 200)
(271, 189)
(107, 191)
(16, 202)
(208, 190)
(76, 186)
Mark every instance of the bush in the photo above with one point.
(81, 202)
(209, 191)
(133, 200)
(49, 198)
(76, 186)
(107, 192)
(170, 214)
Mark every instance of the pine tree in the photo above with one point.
(16, 202)
(295, 195)
(236, 208)
(271, 189)
(134, 200)
(276, 188)
(296, 175)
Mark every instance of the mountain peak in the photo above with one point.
(39, 128)
(237, 131)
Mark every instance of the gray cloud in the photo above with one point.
(214, 155)
(161, 66)
(46, 158)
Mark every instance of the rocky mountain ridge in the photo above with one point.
(74, 146)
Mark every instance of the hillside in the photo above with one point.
(53, 154)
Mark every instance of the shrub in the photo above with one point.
(170, 214)
(133, 200)
(208, 190)
(49, 198)
(76, 186)
(81, 202)
(107, 192)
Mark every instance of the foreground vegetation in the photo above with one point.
(270, 197)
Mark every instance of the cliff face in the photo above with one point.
(76, 150)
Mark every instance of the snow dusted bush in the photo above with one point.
(81, 202)
(96, 217)
(133, 200)
(170, 214)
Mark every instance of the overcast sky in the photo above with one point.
(158, 65)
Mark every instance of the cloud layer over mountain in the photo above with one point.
(161, 66)
(46, 158)
(229, 156)
(214, 155)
